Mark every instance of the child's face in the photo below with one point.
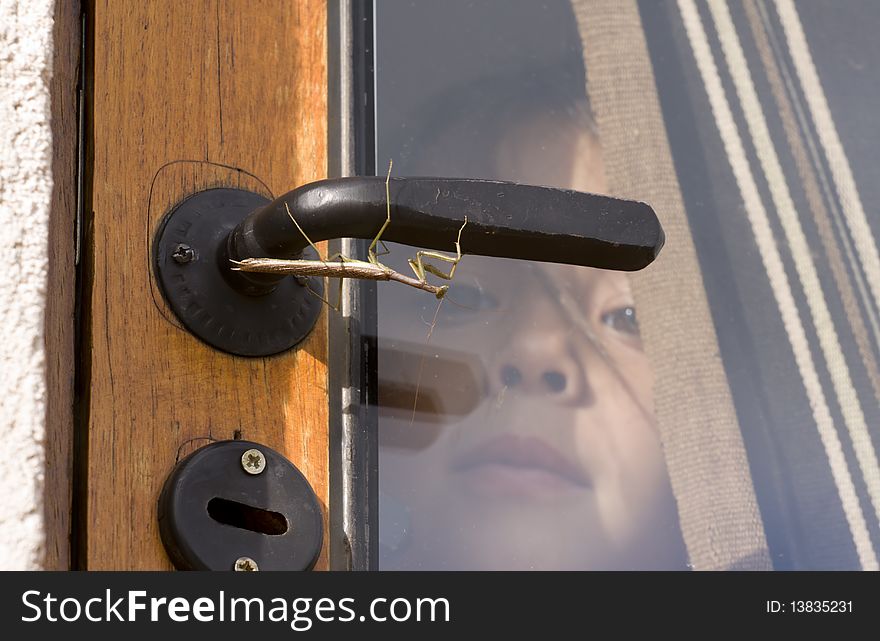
(544, 451)
(533, 444)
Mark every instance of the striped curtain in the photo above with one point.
(772, 154)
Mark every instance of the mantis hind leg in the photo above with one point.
(337, 307)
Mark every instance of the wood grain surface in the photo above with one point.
(60, 322)
(187, 96)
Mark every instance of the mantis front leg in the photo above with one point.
(420, 267)
(371, 252)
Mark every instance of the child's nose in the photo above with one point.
(543, 363)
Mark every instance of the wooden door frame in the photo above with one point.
(60, 315)
(182, 97)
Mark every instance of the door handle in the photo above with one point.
(258, 314)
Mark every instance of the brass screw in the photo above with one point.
(253, 461)
(246, 564)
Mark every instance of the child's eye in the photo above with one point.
(465, 301)
(471, 297)
(623, 320)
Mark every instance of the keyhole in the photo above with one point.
(246, 517)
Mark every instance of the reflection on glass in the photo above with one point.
(516, 421)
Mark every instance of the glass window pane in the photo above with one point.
(518, 426)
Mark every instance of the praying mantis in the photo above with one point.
(340, 266)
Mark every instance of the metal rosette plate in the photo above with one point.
(189, 253)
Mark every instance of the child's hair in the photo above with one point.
(458, 133)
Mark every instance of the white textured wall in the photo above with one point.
(25, 193)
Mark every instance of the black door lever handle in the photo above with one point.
(260, 314)
(505, 220)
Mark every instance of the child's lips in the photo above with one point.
(515, 465)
